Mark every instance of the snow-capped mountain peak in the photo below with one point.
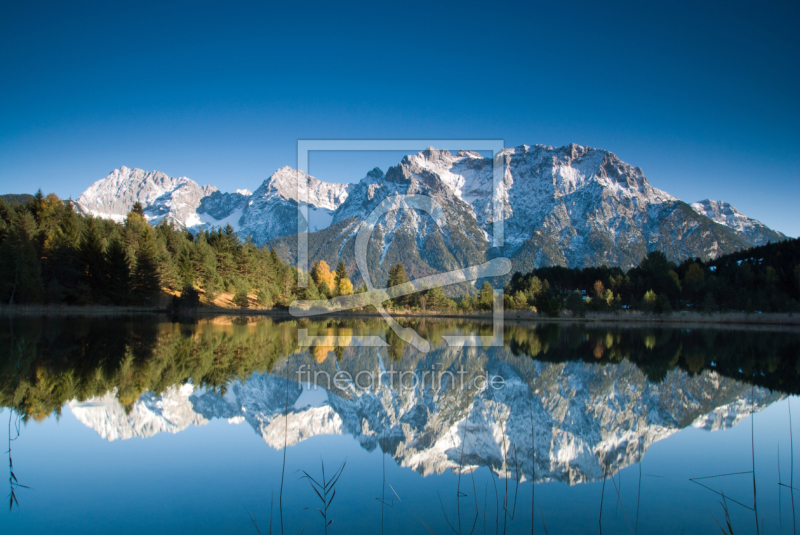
(162, 196)
(724, 213)
(574, 206)
(286, 183)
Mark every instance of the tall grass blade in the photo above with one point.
(753, 452)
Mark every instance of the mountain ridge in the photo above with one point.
(574, 206)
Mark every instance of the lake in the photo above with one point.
(228, 425)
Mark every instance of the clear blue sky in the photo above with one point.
(703, 96)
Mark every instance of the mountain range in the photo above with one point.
(573, 206)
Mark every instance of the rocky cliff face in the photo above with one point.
(577, 206)
(584, 417)
(749, 229)
(572, 206)
(273, 208)
(162, 196)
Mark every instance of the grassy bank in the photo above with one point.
(684, 317)
(73, 311)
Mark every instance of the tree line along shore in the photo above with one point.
(53, 259)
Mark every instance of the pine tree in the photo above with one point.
(185, 267)
(575, 303)
(264, 297)
(436, 299)
(118, 273)
(521, 300)
(146, 283)
(240, 298)
(324, 291)
(167, 266)
(709, 304)
(190, 297)
(205, 262)
(20, 270)
(397, 276)
(486, 296)
(310, 292)
(533, 289)
(36, 204)
(343, 284)
(92, 264)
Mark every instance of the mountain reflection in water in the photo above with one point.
(576, 402)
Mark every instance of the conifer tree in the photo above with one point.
(310, 292)
(240, 298)
(146, 284)
(397, 276)
(118, 273)
(436, 299)
(343, 284)
(167, 266)
(20, 270)
(190, 297)
(185, 267)
(486, 296)
(324, 291)
(205, 262)
(93, 264)
(264, 297)
(137, 209)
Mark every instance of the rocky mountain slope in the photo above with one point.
(162, 196)
(749, 229)
(573, 206)
(272, 211)
(584, 416)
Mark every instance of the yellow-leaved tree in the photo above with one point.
(345, 287)
(323, 278)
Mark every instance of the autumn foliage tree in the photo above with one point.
(324, 278)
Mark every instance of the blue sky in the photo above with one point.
(702, 96)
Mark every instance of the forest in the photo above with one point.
(760, 279)
(50, 254)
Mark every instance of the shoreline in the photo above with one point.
(681, 317)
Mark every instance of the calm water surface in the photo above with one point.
(147, 426)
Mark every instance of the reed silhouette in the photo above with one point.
(325, 491)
